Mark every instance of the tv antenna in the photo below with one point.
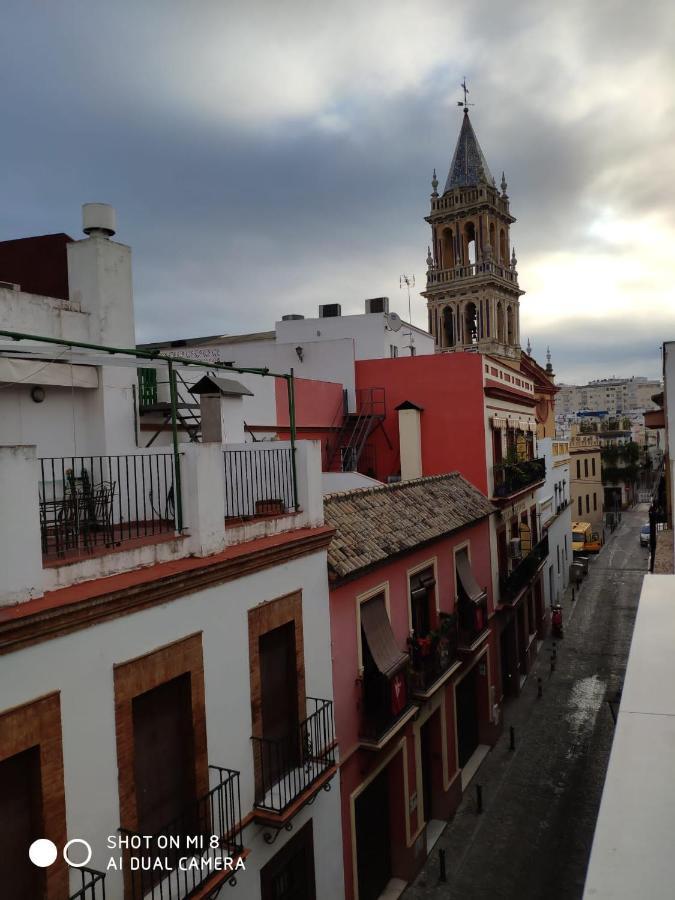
(408, 281)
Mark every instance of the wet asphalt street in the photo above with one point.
(540, 802)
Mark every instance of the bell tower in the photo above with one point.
(472, 292)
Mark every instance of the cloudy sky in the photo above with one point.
(265, 157)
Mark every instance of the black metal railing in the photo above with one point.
(511, 477)
(472, 619)
(184, 847)
(92, 884)
(433, 655)
(384, 700)
(104, 501)
(513, 583)
(259, 481)
(287, 767)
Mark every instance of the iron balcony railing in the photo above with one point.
(472, 619)
(92, 884)
(287, 767)
(104, 501)
(509, 478)
(384, 700)
(260, 481)
(178, 859)
(512, 584)
(433, 655)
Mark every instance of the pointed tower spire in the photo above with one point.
(430, 259)
(514, 261)
(529, 348)
(504, 185)
(468, 160)
(434, 185)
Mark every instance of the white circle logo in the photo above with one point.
(42, 853)
(83, 862)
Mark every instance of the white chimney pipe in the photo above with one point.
(98, 219)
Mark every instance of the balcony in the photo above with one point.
(512, 585)
(385, 706)
(472, 620)
(259, 481)
(513, 477)
(189, 839)
(94, 504)
(290, 771)
(433, 657)
(92, 884)
(457, 273)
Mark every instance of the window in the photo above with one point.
(579, 471)
(565, 546)
(393, 351)
(558, 553)
(586, 468)
(580, 509)
(593, 465)
(422, 602)
(588, 503)
(595, 502)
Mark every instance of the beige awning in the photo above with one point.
(29, 371)
(474, 592)
(422, 582)
(380, 637)
(513, 423)
(499, 422)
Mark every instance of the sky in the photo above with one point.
(266, 157)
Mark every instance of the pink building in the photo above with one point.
(415, 670)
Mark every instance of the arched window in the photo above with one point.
(448, 327)
(503, 252)
(448, 250)
(470, 239)
(500, 323)
(510, 323)
(493, 238)
(470, 324)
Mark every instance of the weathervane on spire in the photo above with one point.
(466, 103)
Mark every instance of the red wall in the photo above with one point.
(449, 388)
(316, 403)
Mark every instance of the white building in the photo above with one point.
(165, 655)
(555, 516)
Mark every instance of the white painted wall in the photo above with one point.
(556, 571)
(80, 666)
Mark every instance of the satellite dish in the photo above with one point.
(394, 321)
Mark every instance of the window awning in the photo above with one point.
(499, 422)
(380, 637)
(467, 579)
(422, 582)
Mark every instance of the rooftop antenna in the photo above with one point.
(466, 103)
(408, 281)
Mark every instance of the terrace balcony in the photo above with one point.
(385, 706)
(217, 813)
(82, 517)
(511, 478)
(516, 581)
(290, 771)
(434, 658)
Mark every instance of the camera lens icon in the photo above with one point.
(43, 853)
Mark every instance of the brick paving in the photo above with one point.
(540, 802)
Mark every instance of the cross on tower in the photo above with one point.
(466, 103)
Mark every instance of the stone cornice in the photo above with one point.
(40, 620)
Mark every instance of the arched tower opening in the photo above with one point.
(470, 323)
(448, 327)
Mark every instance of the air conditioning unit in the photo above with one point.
(514, 548)
(330, 310)
(377, 305)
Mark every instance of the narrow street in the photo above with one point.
(540, 801)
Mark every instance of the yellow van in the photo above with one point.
(584, 539)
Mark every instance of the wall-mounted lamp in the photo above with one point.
(37, 394)
(298, 351)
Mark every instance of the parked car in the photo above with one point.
(644, 535)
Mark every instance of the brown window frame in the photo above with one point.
(38, 723)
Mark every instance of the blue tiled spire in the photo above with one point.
(468, 166)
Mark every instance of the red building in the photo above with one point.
(415, 666)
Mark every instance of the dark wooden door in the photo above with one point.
(290, 874)
(164, 764)
(373, 841)
(426, 739)
(467, 717)
(20, 825)
(279, 695)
